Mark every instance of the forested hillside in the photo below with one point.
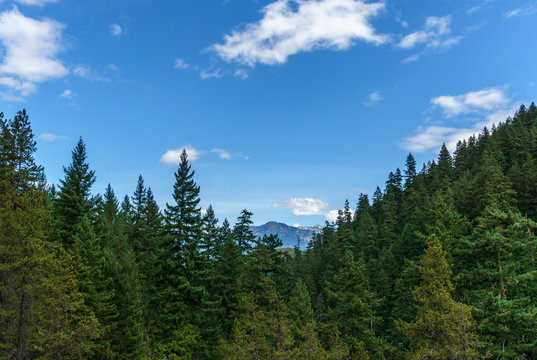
(440, 264)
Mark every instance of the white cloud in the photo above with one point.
(180, 64)
(205, 74)
(289, 27)
(22, 87)
(51, 137)
(29, 48)
(67, 94)
(85, 72)
(116, 30)
(491, 106)
(435, 35)
(223, 154)
(373, 98)
(410, 59)
(173, 157)
(304, 206)
(524, 10)
(332, 215)
(242, 73)
(478, 7)
(309, 206)
(432, 137)
(35, 2)
(82, 71)
(486, 99)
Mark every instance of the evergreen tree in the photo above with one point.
(243, 233)
(96, 268)
(443, 327)
(301, 313)
(74, 199)
(228, 270)
(40, 307)
(410, 170)
(350, 308)
(129, 335)
(183, 297)
(503, 247)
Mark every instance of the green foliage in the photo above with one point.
(41, 310)
(74, 197)
(84, 277)
(350, 307)
(443, 327)
(183, 344)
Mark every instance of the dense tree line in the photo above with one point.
(438, 265)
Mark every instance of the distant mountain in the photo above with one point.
(290, 235)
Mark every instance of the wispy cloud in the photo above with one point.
(521, 11)
(51, 137)
(411, 58)
(180, 64)
(87, 73)
(116, 30)
(35, 2)
(373, 99)
(478, 7)
(436, 34)
(30, 50)
(223, 154)
(241, 73)
(289, 27)
(207, 74)
(67, 94)
(487, 106)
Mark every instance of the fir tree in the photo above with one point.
(443, 327)
(129, 334)
(40, 307)
(181, 291)
(243, 233)
(301, 312)
(410, 171)
(350, 307)
(74, 199)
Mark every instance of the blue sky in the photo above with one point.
(286, 107)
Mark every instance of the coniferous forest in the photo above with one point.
(439, 264)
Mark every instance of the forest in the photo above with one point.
(438, 264)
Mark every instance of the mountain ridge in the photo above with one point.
(291, 236)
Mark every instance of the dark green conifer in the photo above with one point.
(74, 199)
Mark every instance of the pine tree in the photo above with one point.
(350, 307)
(228, 271)
(410, 171)
(74, 199)
(143, 222)
(183, 297)
(443, 327)
(499, 283)
(129, 334)
(40, 307)
(250, 334)
(243, 233)
(96, 268)
(444, 167)
(301, 312)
